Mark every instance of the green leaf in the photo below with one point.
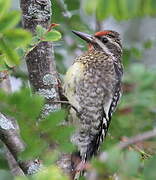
(153, 9)
(103, 9)
(9, 21)
(136, 52)
(57, 132)
(99, 165)
(35, 146)
(148, 44)
(25, 107)
(3, 66)
(51, 122)
(5, 175)
(50, 173)
(26, 117)
(114, 156)
(18, 37)
(62, 136)
(8, 62)
(72, 6)
(11, 55)
(120, 10)
(35, 40)
(4, 6)
(149, 169)
(52, 36)
(146, 7)
(20, 52)
(40, 31)
(50, 157)
(132, 8)
(90, 6)
(3, 162)
(131, 163)
(21, 178)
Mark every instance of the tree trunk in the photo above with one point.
(43, 76)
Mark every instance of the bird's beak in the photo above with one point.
(88, 38)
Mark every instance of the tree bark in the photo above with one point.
(40, 62)
(9, 135)
(13, 165)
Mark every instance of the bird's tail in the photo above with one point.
(92, 149)
(79, 163)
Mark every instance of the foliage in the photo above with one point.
(45, 35)
(50, 172)
(16, 42)
(11, 38)
(52, 133)
(121, 9)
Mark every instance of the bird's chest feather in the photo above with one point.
(72, 78)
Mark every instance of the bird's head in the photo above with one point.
(107, 41)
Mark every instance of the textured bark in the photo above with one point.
(13, 165)
(9, 135)
(40, 61)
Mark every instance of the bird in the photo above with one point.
(92, 85)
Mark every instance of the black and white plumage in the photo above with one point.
(93, 87)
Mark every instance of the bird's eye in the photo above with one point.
(104, 40)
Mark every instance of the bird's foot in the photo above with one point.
(82, 166)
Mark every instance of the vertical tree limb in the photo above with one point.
(40, 61)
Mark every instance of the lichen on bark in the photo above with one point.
(40, 61)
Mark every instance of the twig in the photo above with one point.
(62, 102)
(103, 157)
(131, 141)
(13, 164)
(137, 138)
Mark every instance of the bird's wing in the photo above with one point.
(118, 91)
(113, 102)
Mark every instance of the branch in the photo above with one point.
(137, 138)
(93, 174)
(9, 135)
(43, 76)
(131, 141)
(13, 165)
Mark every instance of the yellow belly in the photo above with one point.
(71, 80)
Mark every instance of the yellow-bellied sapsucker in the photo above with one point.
(93, 87)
